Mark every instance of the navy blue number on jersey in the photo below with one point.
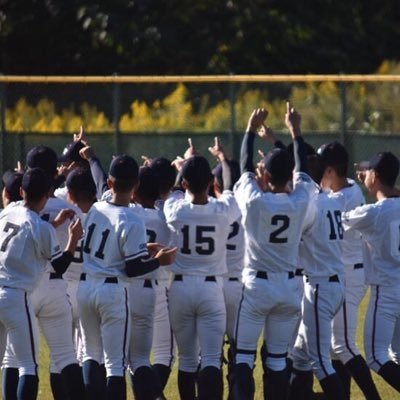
(205, 244)
(13, 229)
(335, 223)
(234, 231)
(282, 222)
(99, 252)
(151, 236)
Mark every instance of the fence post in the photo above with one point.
(116, 99)
(3, 98)
(344, 136)
(232, 131)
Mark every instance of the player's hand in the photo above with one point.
(154, 248)
(191, 150)
(177, 163)
(81, 136)
(166, 255)
(75, 230)
(257, 118)
(217, 151)
(19, 168)
(360, 168)
(63, 216)
(66, 169)
(146, 161)
(266, 133)
(292, 120)
(87, 153)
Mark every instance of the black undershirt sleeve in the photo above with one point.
(60, 264)
(141, 266)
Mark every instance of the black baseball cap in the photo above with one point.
(124, 167)
(12, 182)
(235, 172)
(333, 153)
(71, 152)
(80, 180)
(196, 171)
(42, 157)
(149, 187)
(36, 183)
(278, 163)
(386, 165)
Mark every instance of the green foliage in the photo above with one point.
(370, 108)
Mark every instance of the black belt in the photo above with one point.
(147, 283)
(333, 278)
(210, 278)
(110, 279)
(299, 272)
(358, 266)
(233, 279)
(54, 275)
(264, 275)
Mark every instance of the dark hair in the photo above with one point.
(123, 172)
(149, 185)
(235, 173)
(166, 173)
(81, 184)
(12, 182)
(316, 167)
(196, 172)
(277, 163)
(335, 156)
(36, 183)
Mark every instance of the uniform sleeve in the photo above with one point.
(48, 242)
(134, 241)
(246, 189)
(361, 218)
(233, 208)
(171, 205)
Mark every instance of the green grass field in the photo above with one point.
(171, 391)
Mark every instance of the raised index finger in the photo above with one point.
(287, 107)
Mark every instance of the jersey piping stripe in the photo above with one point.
(135, 255)
(56, 255)
(317, 330)
(374, 326)
(31, 334)
(125, 330)
(237, 321)
(346, 336)
(171, 339)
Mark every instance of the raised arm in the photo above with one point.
(218, 152)
(293, 122)
(256, 119)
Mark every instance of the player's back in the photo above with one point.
(200, 232)
(321, 249)
(380, 226)
(113, 235)
(26, 242)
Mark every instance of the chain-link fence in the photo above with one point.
(155, 115)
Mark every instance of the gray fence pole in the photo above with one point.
(116, 99)
(3, 103)
(232, 131)
(343, 119)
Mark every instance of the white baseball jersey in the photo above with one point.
(26, 243)
(273, 222)
(157, 231)
(74, 270)
(61, 193)
(200, 232)
(349, 198)
(113, 235)
(321, 249)
(53, 206)
(235, 250)
(379, 223)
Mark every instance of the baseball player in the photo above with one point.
(273, 222)
(143, 289)
(49, 299)
(199, 228)
(114, 250)
(227, 172)
(163, 340)
(347, 358)
(81, 192)
(379, 224)
(11, 187)
(27, 242)
(321, 257)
